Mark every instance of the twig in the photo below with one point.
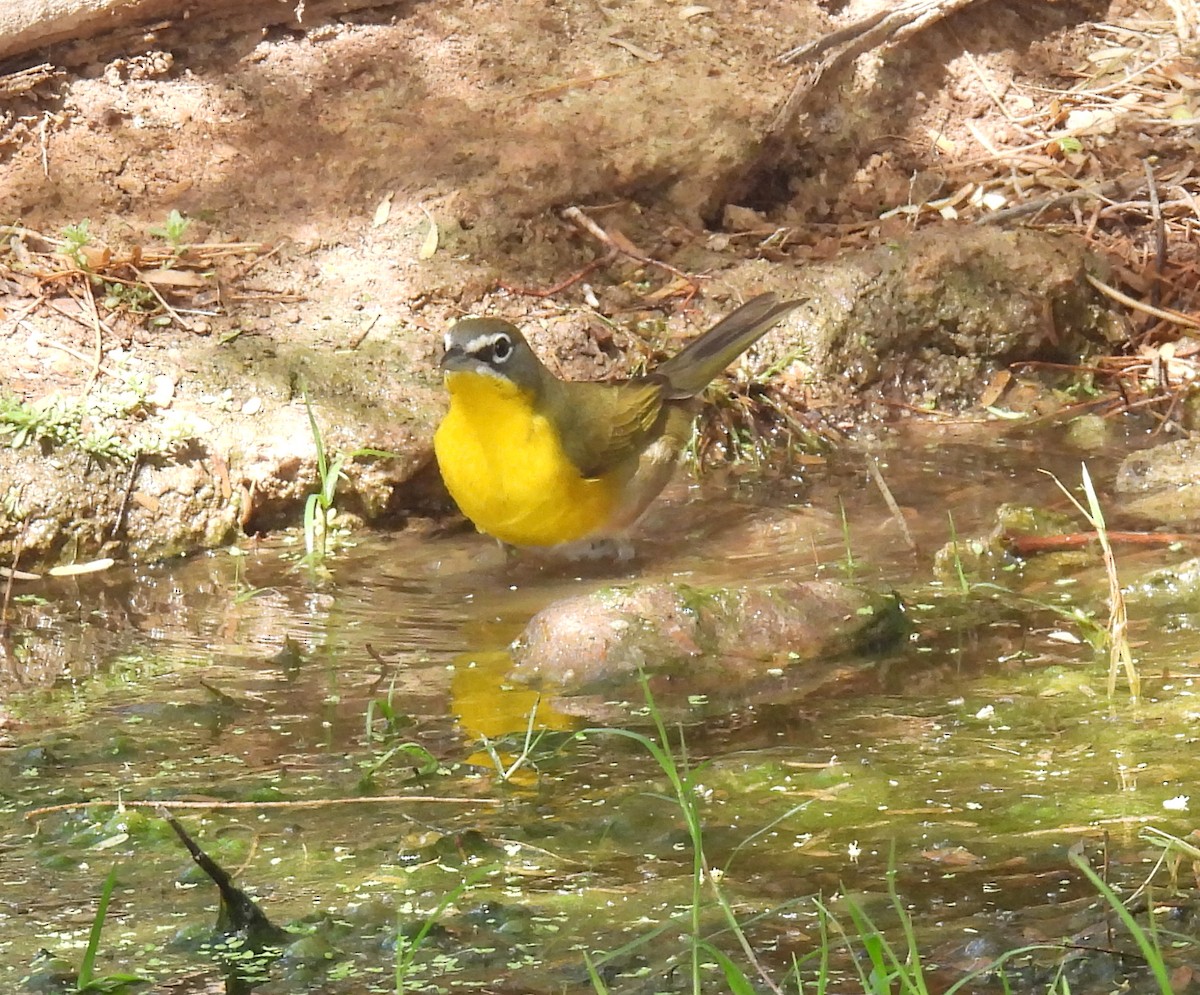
(1028, 545)
(94, 313)
(860, 37)
(12, 576)
(163, 301)
(1160, 234)
(210, 249)
(1166, 314)
(810, 50)
(571, 84)
(26, 311)
(635, 50)
(133, 472)
(63, 348)
(988, 89)
(385, 668)
(1183, 18)
(621, 244)
(24, 80)
(242, 274)
(608, 257)
(890, 500)
(1038, 204)
(89, 325)
(215, 805)
(44, 143)
(359, 336)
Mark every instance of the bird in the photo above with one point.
(537, 461)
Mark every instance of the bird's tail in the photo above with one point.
(694, 367)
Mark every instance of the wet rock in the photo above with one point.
(1090, 432)
(1168, 589)
(580, 641)
(1162, 484)
(51, 973)
(204, 470)
(928, 319)
(989, 557)
(65, 505)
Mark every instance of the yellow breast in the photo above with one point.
(504, 467)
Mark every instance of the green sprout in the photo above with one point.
(133, 297)
(76, 239)
(173, 230)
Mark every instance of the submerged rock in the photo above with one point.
(583, 640)
(1173, 588)
(1162, 484)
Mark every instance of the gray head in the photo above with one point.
(494, 348)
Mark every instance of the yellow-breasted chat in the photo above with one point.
(538, 461)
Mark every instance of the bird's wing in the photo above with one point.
(605, 425)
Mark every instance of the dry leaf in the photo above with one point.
(676, 286)
(940, 142)
(624, 244)
(1110, 54)
(96, 256)
(430, 245)
(383, 211)
(1100, 121)
(7, 573)
(958, 856)
(172, 278)
(956, 198)
(635, 50)
(75, 569)
(996, 386)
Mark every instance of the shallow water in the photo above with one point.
(970, 759)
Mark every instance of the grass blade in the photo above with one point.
(88, 968)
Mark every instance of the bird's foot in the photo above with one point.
(607, 548)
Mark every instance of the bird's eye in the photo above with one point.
(501, 348)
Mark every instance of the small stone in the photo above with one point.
(163, 391)
(737, 218)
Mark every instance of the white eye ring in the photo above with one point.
(502, 348)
